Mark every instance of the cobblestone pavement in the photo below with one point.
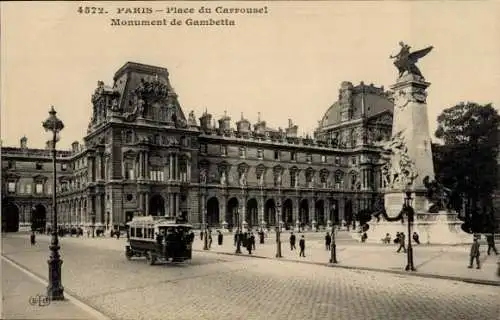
(238, 287)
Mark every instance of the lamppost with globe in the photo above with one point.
(278, 223)
(55, 290)
(410, 214)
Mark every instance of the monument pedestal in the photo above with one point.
(432, 228)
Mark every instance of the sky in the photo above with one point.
(288, 63)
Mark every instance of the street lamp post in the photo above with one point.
(278, 225)
(205, 230)
(238, 239)
(333, 247)
(410, 216)
(93, 225)
(55, 290)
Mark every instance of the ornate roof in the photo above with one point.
(357, 100)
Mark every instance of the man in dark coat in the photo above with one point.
(302, 246)
(401, 242)
(248, 243)
(474, 253)
(236, 237)
(252, 240)
(33, 238)
(261, 236)
(219, 238)
(328, 241)
(490, 240)
(292, 241)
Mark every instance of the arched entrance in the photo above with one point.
(304, 212)
(38, 218)
(270, 212)
(212, 212)
(157, 205)
(288, 212)
(348, 212)
(252, 213)
(320, 212)
(10, 217)
(232, 214)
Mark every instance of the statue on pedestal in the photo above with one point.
(406, 60)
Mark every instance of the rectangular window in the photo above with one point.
(64, 167)
(28, 188)
(132, 232)
(323, 158)
(308, 158)
(203, 148)
(39, 188)
(223, 150)
(138, 232)
(337, 161)
(11, 187)
(354, 160)
(276, 155)
(293, 179)
(260, 154)
(293, 156)
(242, 152)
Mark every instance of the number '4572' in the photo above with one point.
(91, 10)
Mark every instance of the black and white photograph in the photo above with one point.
(274, 160)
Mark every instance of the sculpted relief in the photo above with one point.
(398, 171)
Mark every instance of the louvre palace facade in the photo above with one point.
(143, 155)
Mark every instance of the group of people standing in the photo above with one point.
(302, 244)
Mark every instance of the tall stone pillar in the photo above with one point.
(146, 200)
(262, 220)
(411, 131)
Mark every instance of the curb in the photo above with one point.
(327, 264)
(68, 296)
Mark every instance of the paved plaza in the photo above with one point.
(221, 286)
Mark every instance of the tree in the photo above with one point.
(467, 159)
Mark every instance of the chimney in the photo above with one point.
(24, 142)
(74, 146)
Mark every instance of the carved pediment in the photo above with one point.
(11, 176)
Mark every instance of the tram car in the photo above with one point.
(159, 239)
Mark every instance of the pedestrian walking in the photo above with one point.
(33, 238)
(328, 241)
(219, 237)
(261, 236)
(416, 238)
(209, 239)
(302, 246)
(201, 235)
(249, 244)
(490, 239)
(292, 241)
(252, 240)
(474, 254)
(236, 237)
(401, 242)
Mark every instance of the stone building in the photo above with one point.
(142, 155)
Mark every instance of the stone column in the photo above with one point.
(222, 212)
(312, 213)
(203, 211)
(170, 167)
(146, 165)
(262, 221)
(296, 213)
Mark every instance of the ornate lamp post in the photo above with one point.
(55, 290)
(205, 230)
(238, 230)
(333, 247)
(278, 224)
(410, 216)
